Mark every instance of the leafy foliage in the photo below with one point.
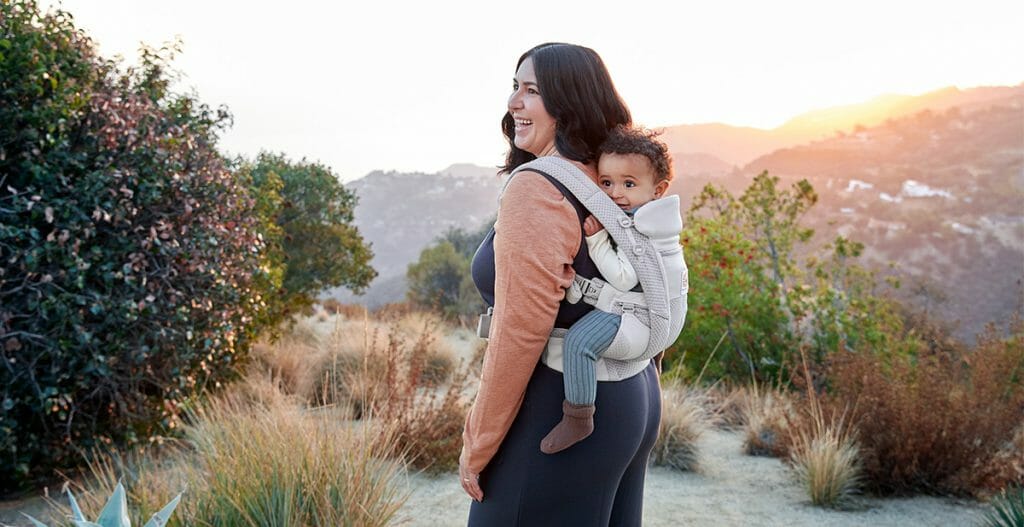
(306, 216)
(440, 280)
(751, 297)
(739, 255)
(131, 257)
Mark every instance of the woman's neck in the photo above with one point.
(550, 151)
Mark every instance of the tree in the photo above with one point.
(306, 220)
(440, 279)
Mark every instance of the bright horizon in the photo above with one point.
(418, 86)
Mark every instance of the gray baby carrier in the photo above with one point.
(651, 319)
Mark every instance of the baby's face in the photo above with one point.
(628, 179)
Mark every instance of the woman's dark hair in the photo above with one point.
(578, 92)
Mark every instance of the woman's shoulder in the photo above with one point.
(534, 203)
(531, 185)
(536, 175)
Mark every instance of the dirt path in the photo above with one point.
(731, 489)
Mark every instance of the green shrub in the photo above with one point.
(131, 261)
(739, 252)
(440, 279)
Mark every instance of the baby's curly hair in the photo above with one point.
(638, 140)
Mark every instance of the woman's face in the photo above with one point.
(535, 128)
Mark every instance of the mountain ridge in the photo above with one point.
(940, 191)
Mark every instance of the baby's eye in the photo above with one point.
(630, 184)
(606, 183)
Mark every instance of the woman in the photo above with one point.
(563, 104)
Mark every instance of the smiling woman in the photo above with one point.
(563, 104)
(533, 128)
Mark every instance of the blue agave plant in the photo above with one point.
(115, 512)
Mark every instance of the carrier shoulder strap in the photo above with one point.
(640, 251)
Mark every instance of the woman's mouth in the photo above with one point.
(522, 123)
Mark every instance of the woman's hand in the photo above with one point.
(591, 226)
(470, 482)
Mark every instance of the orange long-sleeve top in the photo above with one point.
(537, 235)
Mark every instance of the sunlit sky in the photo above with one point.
(421, 85)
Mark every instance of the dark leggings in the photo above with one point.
(596, 482)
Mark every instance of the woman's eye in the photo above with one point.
(532, 91)
(515, 86)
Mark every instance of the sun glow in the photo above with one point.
(365, 86)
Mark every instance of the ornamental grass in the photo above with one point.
(684, 419)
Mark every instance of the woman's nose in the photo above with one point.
(515, 101)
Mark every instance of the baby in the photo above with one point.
(633, 169)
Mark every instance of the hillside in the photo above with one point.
(741, 145)
(938, 192)
(402, 213)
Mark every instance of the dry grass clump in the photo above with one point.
(402, 373)
(272, 464)
(291, 466)
(827, 462)
(929, 423)
(727, 405)
(289, 361)
(684, 418)
(766, 413)
(360, 364)
(824, 453)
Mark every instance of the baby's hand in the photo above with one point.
(591, 226)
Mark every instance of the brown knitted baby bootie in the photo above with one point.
(577, 423)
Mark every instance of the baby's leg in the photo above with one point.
(587, 339)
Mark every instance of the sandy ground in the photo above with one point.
(730, 489)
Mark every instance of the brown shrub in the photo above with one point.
(927, 423)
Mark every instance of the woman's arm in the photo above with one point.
(536, 238)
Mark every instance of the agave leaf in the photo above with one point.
(160, 518)
(87, 523)
(77, 512)
(115, 512)
(34, 521)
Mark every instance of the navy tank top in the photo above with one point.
(482, 268)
